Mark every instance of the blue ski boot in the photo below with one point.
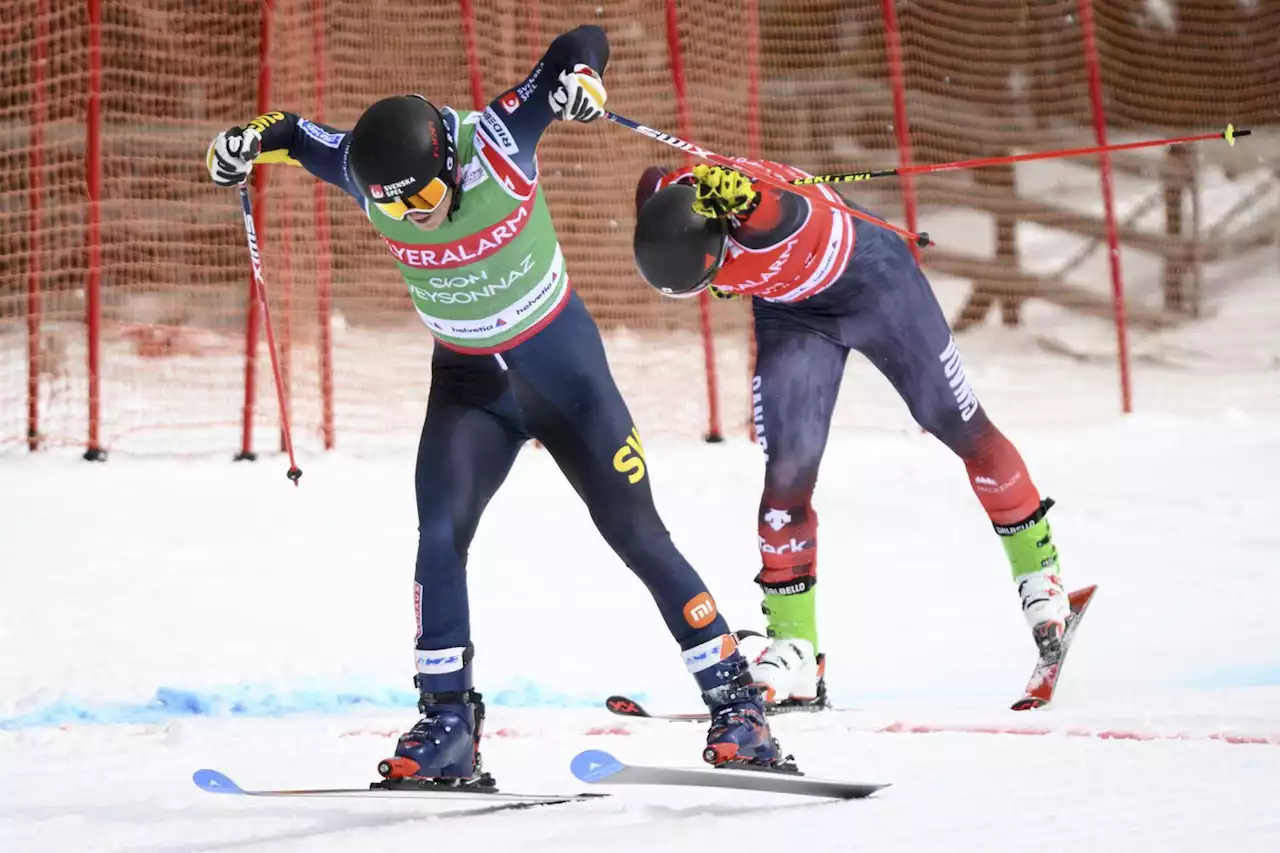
(739, 732)
(443, 748)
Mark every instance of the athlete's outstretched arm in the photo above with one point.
(567, 83)
(281, 137)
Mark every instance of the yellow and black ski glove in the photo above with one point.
(722, 192)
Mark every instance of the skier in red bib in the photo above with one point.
(823, 283)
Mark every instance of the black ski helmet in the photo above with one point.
(677, 251)
(398, 146)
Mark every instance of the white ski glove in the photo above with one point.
(580, 95)
(231, 155)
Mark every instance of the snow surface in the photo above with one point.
(158, 616)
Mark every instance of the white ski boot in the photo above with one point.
(790, 675)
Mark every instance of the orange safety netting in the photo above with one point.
(1021, 265)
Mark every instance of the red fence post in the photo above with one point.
(901, 129)
(324, 283)
(93, 236)
(751, 22)
(259, 179)
(534, 8)
(704, 299)
(35, 188)
(1093, 65)
(755, 150)
(473, 54)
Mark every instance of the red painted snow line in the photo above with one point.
(916, 729)
(925, 729)
(1099, 734)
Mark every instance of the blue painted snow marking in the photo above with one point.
(171, 703)
(215, 782)
(594, 765)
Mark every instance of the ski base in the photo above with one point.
(215, 782)
(1045, 676)
(598, 767)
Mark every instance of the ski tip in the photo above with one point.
(1029, 703)
(594, 765)
(1082, 596)
(215, 782)
(624, 707)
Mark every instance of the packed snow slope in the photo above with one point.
(159, 616)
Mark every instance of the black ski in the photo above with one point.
(600, 768)
(218, 783)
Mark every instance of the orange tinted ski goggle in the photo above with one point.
(425, 200)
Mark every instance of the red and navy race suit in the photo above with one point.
(555, 387)
(823, 283)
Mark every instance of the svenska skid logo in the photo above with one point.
(629, 459)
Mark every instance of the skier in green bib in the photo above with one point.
(455, 196)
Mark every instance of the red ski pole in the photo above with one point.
(260, 293)
(814, 196)
(1230, 135)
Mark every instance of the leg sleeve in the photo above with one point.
(904, 334)
(793, 392)
(570, 403)
(470, 438)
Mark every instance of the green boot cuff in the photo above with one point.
(793, 616)
(1029, 543)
